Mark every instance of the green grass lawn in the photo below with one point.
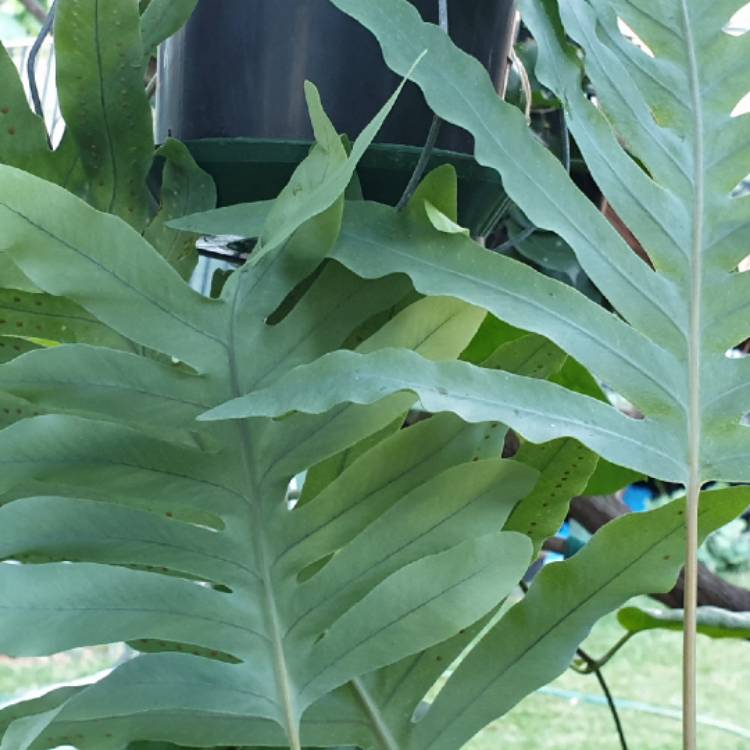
(18, 676)
(647, 670)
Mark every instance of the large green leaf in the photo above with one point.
(107, 148)
(184, 486)
(661, 143)
(530, 645)
(179, 531)
(100, 65)
(536, 640)
(666, 352)
(42, 316)
(23, 137)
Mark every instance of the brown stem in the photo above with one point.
(36, 9)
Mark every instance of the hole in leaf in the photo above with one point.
(633, 38)
(308, 572)
(739, 23)
(740, 351)
(149, 646)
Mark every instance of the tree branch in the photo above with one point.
(36, 9)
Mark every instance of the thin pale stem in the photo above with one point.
(689, 683)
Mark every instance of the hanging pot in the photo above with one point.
(231, 85)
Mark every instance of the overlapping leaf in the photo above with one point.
(181, 495)
(665, 353)
(662, 144)
(104, 104)
(534, 642)
(712, 621)
(180, 532)
(107, 150)
(530, 645)
(105, 154)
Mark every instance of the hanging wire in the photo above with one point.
(524, 234)
(31, 63)
(432, 135)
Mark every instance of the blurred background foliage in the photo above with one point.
(21, 18)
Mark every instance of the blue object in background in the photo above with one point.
(573, 544)
(636, 496)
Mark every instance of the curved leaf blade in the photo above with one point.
(103, 100)
(536, 640)
(712, 621)
(475, 394)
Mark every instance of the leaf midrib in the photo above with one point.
(161, 307)
(255, 509)
(105, 114)
(689, 678)
(696, 257)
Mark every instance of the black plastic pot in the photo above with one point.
(237, 70)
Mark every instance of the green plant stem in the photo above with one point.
(432, 135)
(595, 669)
(599, 663)
(522, 236)
(424, 160)
(256, 509)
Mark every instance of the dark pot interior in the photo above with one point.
(237, 70)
